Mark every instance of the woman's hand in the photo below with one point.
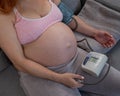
(104, 38)
(70, 80)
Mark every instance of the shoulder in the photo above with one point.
(56, 1)
(7, 30)
(7, 18)
(7, 23)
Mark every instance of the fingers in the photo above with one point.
(110, 40)
(108, 34)
(76, 76)
(77, 81)
(77, 84)
(109, 43)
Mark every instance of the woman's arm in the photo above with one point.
(103, 37)
(12, 48)
(56, 1)
(82, 27)
(77, 24)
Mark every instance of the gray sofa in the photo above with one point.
(9, 78)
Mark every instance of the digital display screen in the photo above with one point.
(93, 59)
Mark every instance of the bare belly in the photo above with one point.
(57, 45)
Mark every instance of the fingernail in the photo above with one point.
(82, 77)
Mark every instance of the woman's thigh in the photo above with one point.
(34, 86)
(110, 86)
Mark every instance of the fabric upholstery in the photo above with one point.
(100, 17)
(4, 62)
(9, 83)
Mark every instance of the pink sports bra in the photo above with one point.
(29, 30)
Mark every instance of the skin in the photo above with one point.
(30, 63)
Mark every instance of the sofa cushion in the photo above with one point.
(101, 17)
(114, 55)
(4, 61)
(9, 83)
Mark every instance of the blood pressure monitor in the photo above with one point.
(94, 63)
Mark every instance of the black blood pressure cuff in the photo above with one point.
(67, 12)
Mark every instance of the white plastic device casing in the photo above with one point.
(94, 63)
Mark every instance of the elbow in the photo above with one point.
(19, 64)
(19, 68)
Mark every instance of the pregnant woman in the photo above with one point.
(43, 49)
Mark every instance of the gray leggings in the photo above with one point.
(34, 86)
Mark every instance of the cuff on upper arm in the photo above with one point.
(67, 13)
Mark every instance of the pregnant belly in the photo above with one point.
(57, 45)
